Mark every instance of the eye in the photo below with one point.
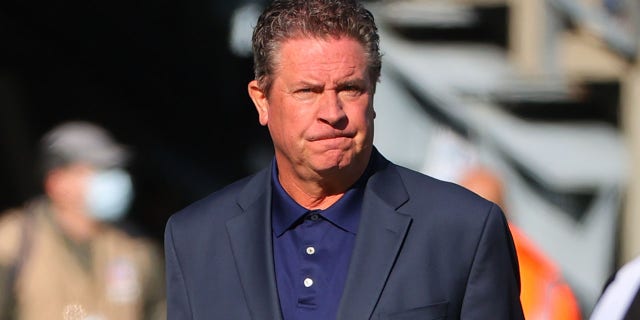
(304, 93)
(352, 90)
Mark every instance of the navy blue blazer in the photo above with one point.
(425, 249)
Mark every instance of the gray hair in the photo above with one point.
(287, 19)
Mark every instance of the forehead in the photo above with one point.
(319, 54)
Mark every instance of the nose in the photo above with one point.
(330, 110)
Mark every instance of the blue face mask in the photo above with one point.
(109, 194)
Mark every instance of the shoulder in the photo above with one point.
(426, 190)
(438, 206)
(431, 201)
(14, 223)
(10, 233)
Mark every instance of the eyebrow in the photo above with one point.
(306, 83)
(358, 82)
(361, 83)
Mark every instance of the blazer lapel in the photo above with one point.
(251, 243)
(380, 236)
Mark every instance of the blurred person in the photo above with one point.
(620, 299)
(60, 256)
(331, 229)
(544, 295)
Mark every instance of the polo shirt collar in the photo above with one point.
(345, 213)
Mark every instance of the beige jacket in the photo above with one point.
(114, 277)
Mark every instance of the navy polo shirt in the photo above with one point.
(311, 250)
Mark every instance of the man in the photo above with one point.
(60, 258)
(332, 230)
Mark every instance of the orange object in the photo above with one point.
(544, 294)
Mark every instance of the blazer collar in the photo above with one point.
(380, 237)
(250, 236)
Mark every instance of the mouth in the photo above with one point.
(331, 136)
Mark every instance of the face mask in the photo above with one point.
(109, 194)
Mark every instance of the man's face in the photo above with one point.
(319, 109)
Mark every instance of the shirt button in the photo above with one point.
(314, 217)
(308, 282)
(311, 250)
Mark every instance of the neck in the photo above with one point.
(319, 190)
(311, 196)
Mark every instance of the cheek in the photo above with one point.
(285, 125)
(295, 118)
(363, 117)
(72, 190)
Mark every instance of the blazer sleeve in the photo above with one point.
(177, 295)
(493, 285)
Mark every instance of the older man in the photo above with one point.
(332, 230)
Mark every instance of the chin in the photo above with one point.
(335, 160)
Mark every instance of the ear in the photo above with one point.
(260, 101)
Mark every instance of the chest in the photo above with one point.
(100, 280)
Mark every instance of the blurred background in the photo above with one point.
(160, 75)
(543, 92)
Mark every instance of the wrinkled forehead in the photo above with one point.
(308, 46)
